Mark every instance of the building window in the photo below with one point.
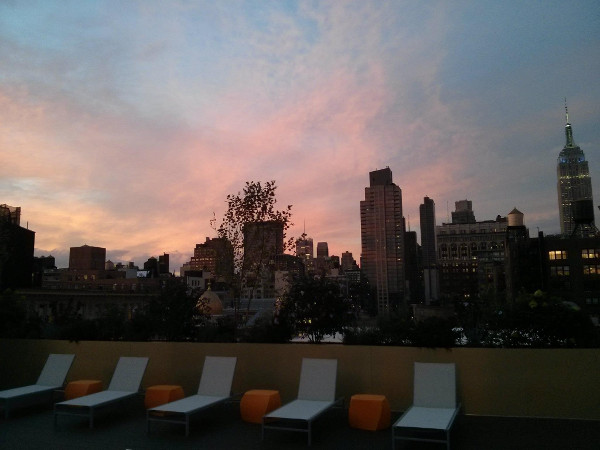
(557, 254)
(589, 253)
(591, 269)
(559, 271)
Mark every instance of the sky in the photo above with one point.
(125, 125)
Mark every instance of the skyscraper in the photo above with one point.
(215, 256)
(429, 250)
(382, 240)
(574, 185)
(304, 250)
(263, 241)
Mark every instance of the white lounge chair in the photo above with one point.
(124, 385)
(215, 388)
(434, 407)
(51, 378)
(316, 395)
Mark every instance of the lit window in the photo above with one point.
(557, 254)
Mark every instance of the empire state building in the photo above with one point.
(575, 203)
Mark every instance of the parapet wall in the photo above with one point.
(497, 382)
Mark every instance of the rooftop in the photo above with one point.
(223, 429)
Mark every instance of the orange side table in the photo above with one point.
(80, 388)
(161, 394)
(258, 402)
(369, 412)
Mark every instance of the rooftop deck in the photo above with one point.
(502, 393)
(222, 428)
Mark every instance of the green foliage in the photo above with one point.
(537, 320)
(14, 321)
(174, 315)
(316, 308)
(256, 203)
(268, 329)
(400, 330)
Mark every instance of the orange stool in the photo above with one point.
(80, 388)
(258, 402)
(369, 412)
(161, 394)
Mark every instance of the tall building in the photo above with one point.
(323, 262)
(322, 250)
(429, 250)
(16, 249)
(304, 251)
(574, 187)
(87, 257)
(463, 212)
(214, 256)
(263, 241)
(471, 257)
(348, 262)
(382, 240)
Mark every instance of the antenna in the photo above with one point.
(409, 222)
(566, 110)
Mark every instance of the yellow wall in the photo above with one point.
(503, 382)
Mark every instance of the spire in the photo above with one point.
(568, 129)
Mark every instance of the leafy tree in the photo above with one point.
(175, 315)
(256, 203)
(14, 322)
(316, 308)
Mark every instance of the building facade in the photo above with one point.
(471, 257)
(382, 240)
(305, 251)
(263, 241)
(16, 249)
(574, 187)
(87, 257)
(429, 251)
(214, 256)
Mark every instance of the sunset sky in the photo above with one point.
(125, 124)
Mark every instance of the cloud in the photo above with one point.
(128, 130)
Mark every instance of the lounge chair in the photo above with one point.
(215, 388)
(124, 385)
(316, 395)
(434, 407)
(51, 378)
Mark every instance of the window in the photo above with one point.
(559, 271)
(589, 253)
(557, 254)
(591, 269)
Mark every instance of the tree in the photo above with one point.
(316, 308)
(256, 204)
(175, 315)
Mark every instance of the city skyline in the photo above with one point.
(125, 126)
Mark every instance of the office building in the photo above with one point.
(305, 251)
(463, 212)
(16, 249)
(575, 202)
(429, 250)
(471, 256)
(87, 257)
(214, 256)
(382, 240)
(263, 241)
